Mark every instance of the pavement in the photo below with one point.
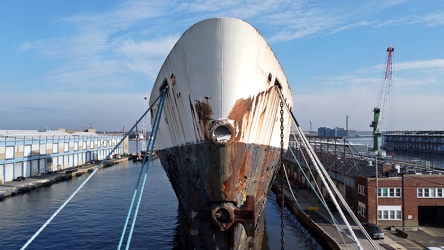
(308, 201)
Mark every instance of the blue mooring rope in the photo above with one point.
(88, 178)
(147, 164)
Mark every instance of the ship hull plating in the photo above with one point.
(220, 134)
(199, 181)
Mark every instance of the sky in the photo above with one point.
(75, 64)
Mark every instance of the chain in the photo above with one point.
(281, 163)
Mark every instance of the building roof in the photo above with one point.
(20, 134)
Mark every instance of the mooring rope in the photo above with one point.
(320, 197)
(329, 185)
(84, 182)
(144, 163)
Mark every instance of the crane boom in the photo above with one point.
(381, 103)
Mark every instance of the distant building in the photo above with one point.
(30, 152)
(431, 142)
(332, 132)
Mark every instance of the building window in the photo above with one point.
(389, 213)
(55, 148)
(91, 144)
(389, 192)
(66, 147)
(42, 150)
(361, 209)
(430, 192)
(361, 189)
(10, 150)
(28, 151)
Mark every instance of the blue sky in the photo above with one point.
(75, 63)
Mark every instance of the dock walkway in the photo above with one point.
(318, 221)
(12, 188)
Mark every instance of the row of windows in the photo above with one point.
(382, 192)
(396, 192)
(384, 212)
(10, 150)
(389, 192)
(389, 214)
(430, 192)
(415, 139)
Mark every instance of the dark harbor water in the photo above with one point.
(95, 217)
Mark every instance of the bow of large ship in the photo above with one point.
(220, 134)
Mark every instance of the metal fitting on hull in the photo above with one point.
(225, 214)
(222, 131)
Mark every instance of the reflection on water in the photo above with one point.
(95, 217)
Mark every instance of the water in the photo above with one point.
(95, 217)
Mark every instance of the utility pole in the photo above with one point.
(144, 126)
(376, 171)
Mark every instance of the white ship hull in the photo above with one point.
(219, 138)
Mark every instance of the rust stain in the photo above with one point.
(241, 109)
(204, 115)
(193, 114)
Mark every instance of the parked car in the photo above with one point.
(374, 231)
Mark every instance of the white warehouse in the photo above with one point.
(30, 152)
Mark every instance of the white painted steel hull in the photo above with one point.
(219, 138)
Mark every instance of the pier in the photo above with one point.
(382, 191)
(26, 153)
(12, 188)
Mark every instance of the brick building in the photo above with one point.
(406, 201)
(405, 195)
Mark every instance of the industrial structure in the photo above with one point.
(25, 153)
(398, 194)
(381, 103)
(429, 142)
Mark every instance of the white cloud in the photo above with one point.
(152, 48)
(437, 64)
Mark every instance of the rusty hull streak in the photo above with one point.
(178, 106)
(204, 113)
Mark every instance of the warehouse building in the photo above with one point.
(430, 142)
(30, 152)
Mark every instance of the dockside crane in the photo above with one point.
(381, 103)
